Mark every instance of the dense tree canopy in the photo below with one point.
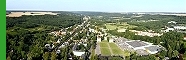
(26, 36)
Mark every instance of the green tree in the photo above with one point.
(46, 55)
(169, 52)
(8, 58)
(53, 56)
(175, 53)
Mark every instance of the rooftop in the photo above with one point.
(137, 43)
(153, 48)
(141, 52)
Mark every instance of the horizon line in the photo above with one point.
(92, 11)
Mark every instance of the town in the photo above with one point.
(95, 38)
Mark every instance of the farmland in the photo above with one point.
(19, 14)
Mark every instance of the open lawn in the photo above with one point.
(105, 51)
(104, 41)
(112, 45)
(117, 51)
(103, 45)
(111, 27)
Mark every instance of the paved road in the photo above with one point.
(97, 50)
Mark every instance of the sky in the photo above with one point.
(99, 5)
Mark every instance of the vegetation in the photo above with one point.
(26, 36)
(103, 45)
(105, 51)
(172, 41)
(113, 26)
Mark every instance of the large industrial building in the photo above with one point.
(141, 47)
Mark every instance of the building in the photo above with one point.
(169, 29)
(77, 52)
(152, 49)
(111, 40)
(172, 22)
(137, 44)
(105, 38)
(184, 38)
(141, 33)
(179, 27)
(58, 51)
(98, 38)
(140, 47)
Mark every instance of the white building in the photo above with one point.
(179, 27)
(111, 40)
(169, 29)
(172, 22)
(142, 45)
(105, 38)
(98, 38)
(78, 53)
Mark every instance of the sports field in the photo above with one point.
(111, 49)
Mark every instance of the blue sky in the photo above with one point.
(99, 5)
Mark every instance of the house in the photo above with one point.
(58, 51)
(179, 27)
(172, 22)
(49, 47)
(184, 38)
(78, 53)
(62, 45)
(169, 29)
(58, 41)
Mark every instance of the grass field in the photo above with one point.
(113, 45)
(103, 45)
(117, 51)
(122, 25)
(114, 49)
(105, 51)
(111, 27)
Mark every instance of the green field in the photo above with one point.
(117, 51)
(113, 45)
(104, 46)
(112, 26)
(105, 51)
